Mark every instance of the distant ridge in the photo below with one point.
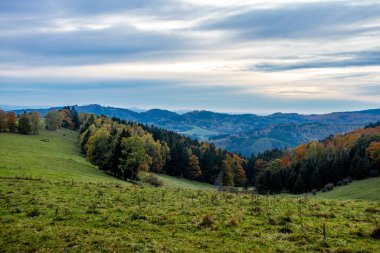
(242, 133)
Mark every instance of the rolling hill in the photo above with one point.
(76, 207)
(243, 133)
(367, 189)
(55, 156)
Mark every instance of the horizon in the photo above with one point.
(179, 112)
(261, 57)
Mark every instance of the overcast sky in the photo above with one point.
(255, 56)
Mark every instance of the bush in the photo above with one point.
(33, 213)
(376, 233)
(153, 180)
(206, 221)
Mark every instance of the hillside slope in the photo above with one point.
(367, 189)
(48, 155)
(56, 156)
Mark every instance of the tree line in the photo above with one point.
(318, 165)
(25, 123)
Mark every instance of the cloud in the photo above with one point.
(341, 60)
(311, 20)
(224, 54)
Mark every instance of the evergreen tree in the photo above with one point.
(116, 151)
(299, 185)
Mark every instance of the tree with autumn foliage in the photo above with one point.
(35, 122)
(3, 121)
(374, 154)
(226, 170)
(11, 119)
(194, 169)
(314, 165)
(53, 120)
(238, 170)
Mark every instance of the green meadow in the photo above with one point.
(53, 200)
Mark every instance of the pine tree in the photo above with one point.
(299, 185)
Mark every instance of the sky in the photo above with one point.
(252, 56)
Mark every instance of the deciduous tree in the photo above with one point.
(35, 118)
(3, 122)
(194, 169)
(53, 120)
(24, 125)
(11, 121)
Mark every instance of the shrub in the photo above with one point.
(35, 212)
(285, 230)
(233, 222)
(206, 221)
(376, 233)
(153, 180)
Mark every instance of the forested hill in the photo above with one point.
(319, 165)
(244, 133)
(125, 148)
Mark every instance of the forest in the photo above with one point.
(124, 148)
(318, 165)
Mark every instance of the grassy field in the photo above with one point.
(175, 183)
(70, 206)
(47, 216)
(368, 189)
(49, 155)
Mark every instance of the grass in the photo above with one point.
(178, 183)
(69, 205)
(51, 216)
(48, 155)
(367, 189)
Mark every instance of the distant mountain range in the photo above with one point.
(242, 133)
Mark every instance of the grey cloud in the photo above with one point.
(316, 20)
(357, 59)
